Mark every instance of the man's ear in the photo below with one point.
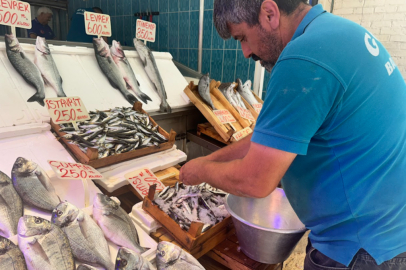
(269, 15)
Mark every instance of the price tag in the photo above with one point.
(145, 30)
(142, 179)
(97, 24)
(242, 133)
(66, 109)
(75, 171)
(245, 113)
(15, 13)
(257, 107)
(224, 116)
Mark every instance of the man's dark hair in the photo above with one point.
(238, 11)
(97, 9)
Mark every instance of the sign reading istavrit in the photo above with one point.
(15, 13)
(66, 109)
(142, 179)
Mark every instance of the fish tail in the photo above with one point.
(164, 107)
(130, 98)
(146, 97)
(37, 98)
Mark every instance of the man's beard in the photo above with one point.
(270, 49)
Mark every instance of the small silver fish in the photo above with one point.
(172, 257)
(204, 89)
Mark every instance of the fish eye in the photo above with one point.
(108, 199)
(123, 262)
(59, 213)
(162, 253)
(37, 221)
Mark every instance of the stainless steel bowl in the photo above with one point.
(267, 229)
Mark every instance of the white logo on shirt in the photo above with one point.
(373, 49)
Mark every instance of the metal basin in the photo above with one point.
(267, 229)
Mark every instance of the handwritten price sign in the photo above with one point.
(97, 24)
(257, 107)
(242, 133)
(145, 30)
(142, 179)
(66, 170)
(15, 13)
(66, 109)
(245, 113)
(224, 116)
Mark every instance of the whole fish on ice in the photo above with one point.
(44, 245)
(11, 258)
(172, 257)
(85, 237)
(130, 260)
(152, 71)
(25, 67)
(204, 89)
(11, 207)
(33, 185)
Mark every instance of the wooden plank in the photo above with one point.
(208, 129)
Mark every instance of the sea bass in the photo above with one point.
(117, 226)
(204, 89)
(25, 67)
(45, 63)
(126, 71)
(245, 91)
(172, 257)
(44, 245)
(11, 258)
(129, 260)
(11, 207)
(110, 69)
(151, 68)
(85, 237)
(33, 185)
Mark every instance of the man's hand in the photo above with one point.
(189, 173)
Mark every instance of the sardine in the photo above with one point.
(204, 89)
(172, 257)
(130, 260)
(11, 258)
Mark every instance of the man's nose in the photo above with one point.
(246, 50)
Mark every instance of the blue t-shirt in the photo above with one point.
(40, 30)
(337, 99)
(77, 31)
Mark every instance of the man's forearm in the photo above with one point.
(233, 151)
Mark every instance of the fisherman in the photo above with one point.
(332, 129)
(40, 25)
(77, 30)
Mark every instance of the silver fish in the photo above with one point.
(204, 89)
(11, 207)
(110, 68)
(26, 68)
(245, 91)
(172, 257)
(11, 258)
(117, 226)
(152, 71)
(129, 260)
(229, 94)
(44, 245)
(127, 72)
(85, 237)
(86, 267)
(33, 185)
(46, 64)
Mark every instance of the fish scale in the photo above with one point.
(11, 258)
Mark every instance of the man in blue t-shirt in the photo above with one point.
(77, 31)
(40, 25)
(332, 129)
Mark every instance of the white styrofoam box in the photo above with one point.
(143, 219)
(8, 132)
(114, 175)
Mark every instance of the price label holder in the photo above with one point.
(242, 133)
(142, 179)
(67, 110)
(97, 24)
(15, 14)
(257, 107)
(145, 31)
(75, 171)
(245, 113)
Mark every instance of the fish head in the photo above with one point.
(247, 85)
(127, 259)
(64, 214)
(42, 46)
(5, 245)
(4, 179)
(101, 47)
(31, 225)
(141, 48)
(104, 202)
(117, 50)
(12, 43)
(167, 253)
(23, 166)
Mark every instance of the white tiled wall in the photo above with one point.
(385, 19)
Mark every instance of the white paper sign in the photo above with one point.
(142, 179)
(257, 107)
(15, 13)
(97, 24)
(245, 113)
(66, 109)
(224, 116)
(75, 171)
(145, 30)
(242, 133)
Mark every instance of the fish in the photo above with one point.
(110, 69)
(47, 67)
(11, 207)
(127, 72)
(245, 91)
(30, 72)
(171, 257)
(86, 267)
(204, 89)
(130, 260)
(85, 237)
(229, 94)
(151, 68)
(115, 223)
(33, 185)
(44, 245)
(11, 258)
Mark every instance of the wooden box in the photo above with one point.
(91, 157)
(194, 241)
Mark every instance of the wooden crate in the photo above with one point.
(208, 129)
(91, 157)
(194, 241)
